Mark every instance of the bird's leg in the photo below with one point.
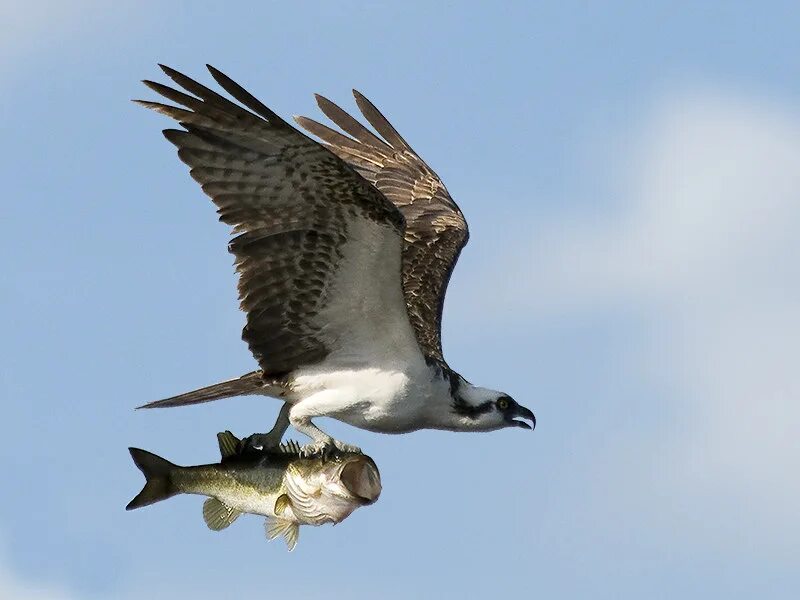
(265, 441)
(322, 444)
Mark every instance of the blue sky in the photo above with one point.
(631, 174)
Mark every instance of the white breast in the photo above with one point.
(388, 399)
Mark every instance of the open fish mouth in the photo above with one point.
(361, 478)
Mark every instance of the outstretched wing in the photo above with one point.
(436, 230)
(318, 249)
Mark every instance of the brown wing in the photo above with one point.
(436, 230)
(319, 249)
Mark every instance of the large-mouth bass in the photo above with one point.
(277, 483)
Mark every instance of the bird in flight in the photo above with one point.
(343, 249)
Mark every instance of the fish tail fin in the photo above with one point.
(158, 474)
(252, 383)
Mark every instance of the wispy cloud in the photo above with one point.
(39, 25)
(16, 588)
(31, 24)
(702, 246)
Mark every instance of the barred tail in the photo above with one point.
(252, 383)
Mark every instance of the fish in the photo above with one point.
(276, 482)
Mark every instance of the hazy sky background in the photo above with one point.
(631, 174)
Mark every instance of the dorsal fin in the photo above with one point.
(289, 447)
(228, 444)
(290, 531)
(218, 515)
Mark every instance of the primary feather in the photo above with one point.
(436, 230)
(344, 250)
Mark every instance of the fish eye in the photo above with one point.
(502, 403)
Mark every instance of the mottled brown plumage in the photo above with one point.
(344, 250)
(294, 204)
(436, 230)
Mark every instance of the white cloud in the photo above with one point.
(13, 587)
(710, 244)
(704, 247)
(26, 24)
(39, 25)
(710, 188)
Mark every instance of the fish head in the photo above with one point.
(328, 490)
(351, 476)
(360, 477)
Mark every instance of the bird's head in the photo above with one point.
(481, 409)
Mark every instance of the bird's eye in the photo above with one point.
(502, 404)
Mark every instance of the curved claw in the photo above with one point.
(347, 448)
(325, 448)
(319, 449)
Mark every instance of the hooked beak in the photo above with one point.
(524, 413)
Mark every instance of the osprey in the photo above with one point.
(344, 250)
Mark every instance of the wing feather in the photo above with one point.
(348, 124)
(381, 123)
(318, 249)
(436, 230)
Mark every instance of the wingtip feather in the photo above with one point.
(173, 135)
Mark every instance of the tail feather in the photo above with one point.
(252, 383)
(157, 471)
